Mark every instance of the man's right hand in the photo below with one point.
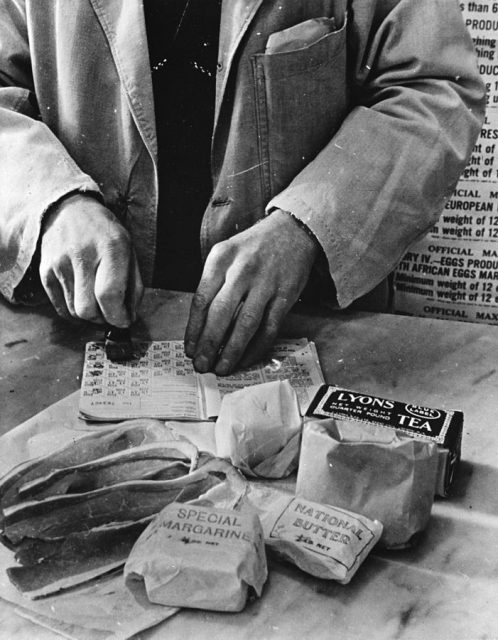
(87, 265)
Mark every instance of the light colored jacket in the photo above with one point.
(361, 134)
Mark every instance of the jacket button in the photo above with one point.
(219, 66)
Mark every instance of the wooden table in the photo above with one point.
(445, 588)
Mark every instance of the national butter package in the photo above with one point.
(443, 428)
(325, 541)
(377, 472)
(259, 429)
(200, 557)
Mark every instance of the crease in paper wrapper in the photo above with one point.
(341, 458)
(259, 429)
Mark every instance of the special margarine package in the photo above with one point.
(200, 557)
(325, 541)
(371, 470)
(259, 429)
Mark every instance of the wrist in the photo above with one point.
(68, 202)
(306, 236)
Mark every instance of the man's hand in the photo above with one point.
(87, 265)
(248, 285)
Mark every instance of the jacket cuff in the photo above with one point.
(21, 283)
(320, 286)
(330, 263)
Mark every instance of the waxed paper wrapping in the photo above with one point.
(103, 608)
(200, 557)
(370, 470)
(259, 429)
(322, 540)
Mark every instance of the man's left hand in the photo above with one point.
(248, 285)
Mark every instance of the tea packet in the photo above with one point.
(200, 557)
(371, 470)
(259, 429)
(325, 541)
(443, 428)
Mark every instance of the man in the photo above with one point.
(340, 128)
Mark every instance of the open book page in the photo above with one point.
(161, 382)
(293, 360)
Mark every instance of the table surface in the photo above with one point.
(447, 587)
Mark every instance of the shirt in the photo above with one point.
(183, 45)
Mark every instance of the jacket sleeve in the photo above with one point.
(382, 181)
(35, 169)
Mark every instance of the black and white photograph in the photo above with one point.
(248, 319)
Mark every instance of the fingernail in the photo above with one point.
(201, 364)
(189, 348)
(222, 368)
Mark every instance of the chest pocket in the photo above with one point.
(301, 100)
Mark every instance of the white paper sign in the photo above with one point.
(453, 272)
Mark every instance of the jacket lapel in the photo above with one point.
(125, 32)
(236, 15)
(127, 38)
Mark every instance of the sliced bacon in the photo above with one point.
(49, 567)
(74, 514)
(58, 516)
(139, 463)
(123, 436)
